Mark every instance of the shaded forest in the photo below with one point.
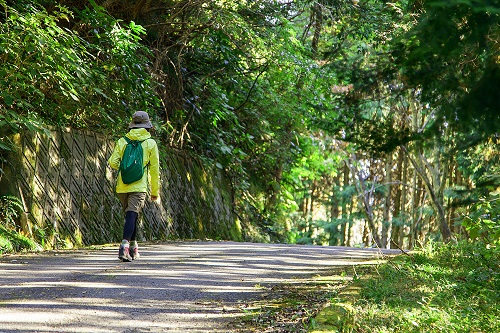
(337, 122)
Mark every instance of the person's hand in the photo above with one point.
(154, 198)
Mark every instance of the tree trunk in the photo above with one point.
(317, 12)
(366, 196)
(395, 231)
(418, 200)
(351, 224)
(404, 199)
(436, 199)
(335, 235)
(387, 205)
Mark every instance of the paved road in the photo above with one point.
(185, 287)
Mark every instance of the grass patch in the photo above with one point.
(449, 288)
(445, 288)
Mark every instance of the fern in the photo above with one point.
(12, 241)
(10, 208)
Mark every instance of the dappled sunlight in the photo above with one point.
(66, 284)
(231, 289)
(13, 316)
(184, 287)
(100, 315)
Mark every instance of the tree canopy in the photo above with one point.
(322, 113)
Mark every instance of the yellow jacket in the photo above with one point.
(150, 159)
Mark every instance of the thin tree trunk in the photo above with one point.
(318, 23)
(335, 235)
(345, 231)
(396, 228)
(366, 195)
(436, 200)
(351, 224)
(417, 229)
(387, 205)
(404, 200)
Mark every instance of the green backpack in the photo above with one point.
(131, 167)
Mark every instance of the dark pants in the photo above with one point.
(132, 204)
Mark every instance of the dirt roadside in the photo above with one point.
(182, 287)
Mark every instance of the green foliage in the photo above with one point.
(10, 239)
(321, 232)
(444, 289)
(121, 81)
(452, 55)
(259, 88)
(431, 77)
(481, 220)
(249, 84)
(478, 205)
(92, 75)
(10, 209)
(365, 94)
(64, 67)
(389, 55)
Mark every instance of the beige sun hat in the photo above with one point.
(140, 119)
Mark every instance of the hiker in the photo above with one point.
(131, 192)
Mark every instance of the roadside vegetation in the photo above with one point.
(11, 240)
(446, 288)
(347, 123)
(438, 288)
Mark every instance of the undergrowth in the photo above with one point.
(445, 288)
(439, 288)
(11, 240)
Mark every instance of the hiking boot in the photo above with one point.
(134, 252)
(123, 253)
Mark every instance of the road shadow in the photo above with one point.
(174, 287)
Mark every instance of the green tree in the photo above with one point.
(442, 56)
(452, 55)
(82, 69)
(91, 75)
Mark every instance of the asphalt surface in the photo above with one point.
(182, 287)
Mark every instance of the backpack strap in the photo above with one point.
(129, 140)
